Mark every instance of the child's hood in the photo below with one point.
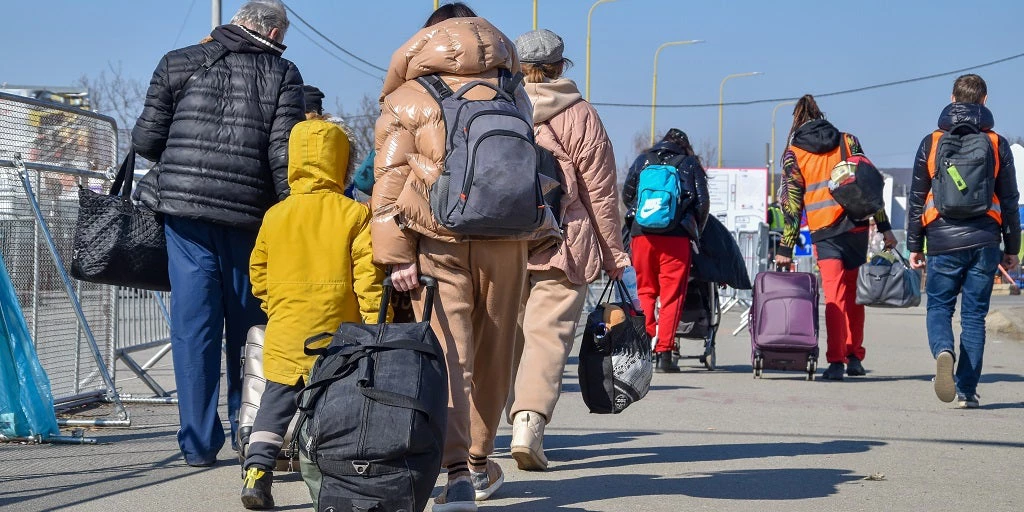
(318, 156)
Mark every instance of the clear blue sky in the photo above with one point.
(801, 46)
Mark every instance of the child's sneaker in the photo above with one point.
(487, 482)
(256, 489)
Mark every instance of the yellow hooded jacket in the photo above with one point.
(313, 266)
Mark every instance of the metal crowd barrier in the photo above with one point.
(754, 248)
(79, 330)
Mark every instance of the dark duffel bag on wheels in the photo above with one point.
(616, 364)
(374, 415)
(888, 284)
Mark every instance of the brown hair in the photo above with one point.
(537, 73)
(806, 109)
(449, 11)
(969, 89)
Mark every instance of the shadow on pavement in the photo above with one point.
(751, 485)
(987, 378)
(626, 457)
(1012, 405)
(572, 387)
(554, 442)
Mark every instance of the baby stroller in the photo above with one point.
(699, 321)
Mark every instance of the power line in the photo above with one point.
(336, 56)
(329, 40)
(183, 23)
(823, 95)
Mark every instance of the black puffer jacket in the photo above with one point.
(690, 170)
(223, 148)
(948, 235)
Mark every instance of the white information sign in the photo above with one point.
(739, 197)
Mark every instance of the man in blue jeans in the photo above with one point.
(217, 119)
(963, 230)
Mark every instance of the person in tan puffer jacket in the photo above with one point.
(570, 128)
(474, 317)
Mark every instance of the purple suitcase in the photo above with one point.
(784, 323)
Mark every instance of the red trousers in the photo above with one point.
(844, 318)
(662, 266)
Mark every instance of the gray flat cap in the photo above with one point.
(540, 47)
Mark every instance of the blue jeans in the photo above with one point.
(209, 271)
(972, 272)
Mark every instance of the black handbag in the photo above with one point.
(616, 364)
(118, 242)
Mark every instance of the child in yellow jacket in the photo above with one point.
(313, 269)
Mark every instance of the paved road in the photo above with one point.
(700, 441)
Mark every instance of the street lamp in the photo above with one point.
(535, 14)
(590, 15)
(721, 92)
(437, 4)
(771, 157)
(654, 80)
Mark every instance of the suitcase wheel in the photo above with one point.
(758, 366)
(812, 367)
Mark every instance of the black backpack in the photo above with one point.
(374, 415)
(856, 184)
(963, 172)
(490, 184)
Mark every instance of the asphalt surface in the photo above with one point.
(699, 441)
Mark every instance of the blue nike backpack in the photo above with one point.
(659, 204)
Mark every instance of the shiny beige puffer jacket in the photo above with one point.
(410, 134)
(569, 127)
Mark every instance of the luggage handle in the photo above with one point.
(428, 304)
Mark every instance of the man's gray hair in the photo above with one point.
(262, 16)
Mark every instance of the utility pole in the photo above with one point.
(215, 13)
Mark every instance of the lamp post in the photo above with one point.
(721, 93)
(654, 79)
(437, 4)
(535, 14)
(590, 16)
(771, 155)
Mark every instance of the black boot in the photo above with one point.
(664, 363)
(256, 489)
(834, 372)
(854, 368)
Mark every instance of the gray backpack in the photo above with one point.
(964, 172)
(489, 185)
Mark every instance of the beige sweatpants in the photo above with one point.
(547, 329)
(475, 312)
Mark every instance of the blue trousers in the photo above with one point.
(212, 306)
(969, 273)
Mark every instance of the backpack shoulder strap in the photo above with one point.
(936, 137)
(994, 138)
(844, 147)
(436, 86)
(508, 82)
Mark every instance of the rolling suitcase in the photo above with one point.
(253, 384)
(784, 323)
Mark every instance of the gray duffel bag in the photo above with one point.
(882, 283)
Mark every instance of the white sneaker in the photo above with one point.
(528, 441)
(945, 384)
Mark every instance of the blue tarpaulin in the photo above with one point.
(26, 403)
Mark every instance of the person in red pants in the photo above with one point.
(840, 243)
(662, 257)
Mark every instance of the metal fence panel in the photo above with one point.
(61, 137)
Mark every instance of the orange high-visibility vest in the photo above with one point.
(822, 210)
(930, 212)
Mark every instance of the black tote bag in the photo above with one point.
(118, 242)
(616, 365)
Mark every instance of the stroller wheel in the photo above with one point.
(709, 361)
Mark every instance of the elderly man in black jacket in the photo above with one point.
(216, 121)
